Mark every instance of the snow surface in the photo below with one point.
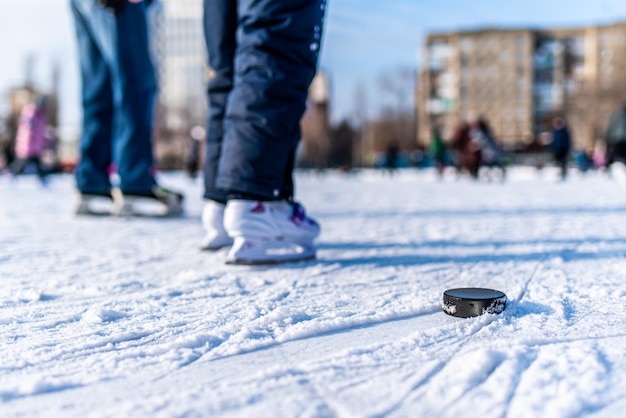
(105, 317)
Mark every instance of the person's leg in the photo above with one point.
(120, 90)
(17, 166)
(276, 57)
(561, 161)
(42, 172)
(38, 164)
(6, 157)
(220, 28)
(97, 100)
(134, 93)
(619, 152)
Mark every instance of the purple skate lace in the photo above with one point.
(298, 215)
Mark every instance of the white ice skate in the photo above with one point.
(618, 173)
(213, 223)
(269, 232)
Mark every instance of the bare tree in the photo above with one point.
(589, 109)
(396, 109)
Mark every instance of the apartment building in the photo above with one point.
(180, 60)
(181, 63)
(518, 79)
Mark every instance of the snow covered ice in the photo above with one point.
(106, 317)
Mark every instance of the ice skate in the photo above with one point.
(269, 232)
(158, 202)
(213, 223)
(265, 251)
(94, 204)
(617, 171)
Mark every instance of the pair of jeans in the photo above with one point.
(263, 56)
(118, 97)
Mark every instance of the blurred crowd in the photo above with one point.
(473, 150)
(28, 146)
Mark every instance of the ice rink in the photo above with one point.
(108, 317)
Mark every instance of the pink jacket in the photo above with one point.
(31, 133)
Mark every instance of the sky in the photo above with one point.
(364, 40)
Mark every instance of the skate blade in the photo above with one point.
(214, 248)
(268, 262)
(131, 206)
(94, 206)
(268, 251)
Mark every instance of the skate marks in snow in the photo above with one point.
(545, 355)
(332, 371)
(250, 312)
(113, 318)
(278, 308)
(419, 253)
(488, 369)
(503, 381)
(347, 300)
(351, 353)
(479, 359)
(287, 375)
(29, 387)
(395, 381)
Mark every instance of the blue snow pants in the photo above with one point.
(263, 56)
(118, 97)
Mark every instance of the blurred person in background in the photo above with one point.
(467, 152)
(561, 145)
(4, 145)
(263, 55)
(392, 158)
(584, 160)
(192, 156)
(31, 139)
(490, 151)
(438, 151)
(118, 97)
(615, 137)
(599, 156)
(8, 140)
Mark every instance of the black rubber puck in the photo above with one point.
(466, 302)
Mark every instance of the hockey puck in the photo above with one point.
(466, 302)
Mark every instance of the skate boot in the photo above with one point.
(213, 223)
(269, 232)
(94, 204)
(158, 201)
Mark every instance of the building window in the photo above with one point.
(439, 54)
(463, 92)
(466, 45)
(493, 44)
